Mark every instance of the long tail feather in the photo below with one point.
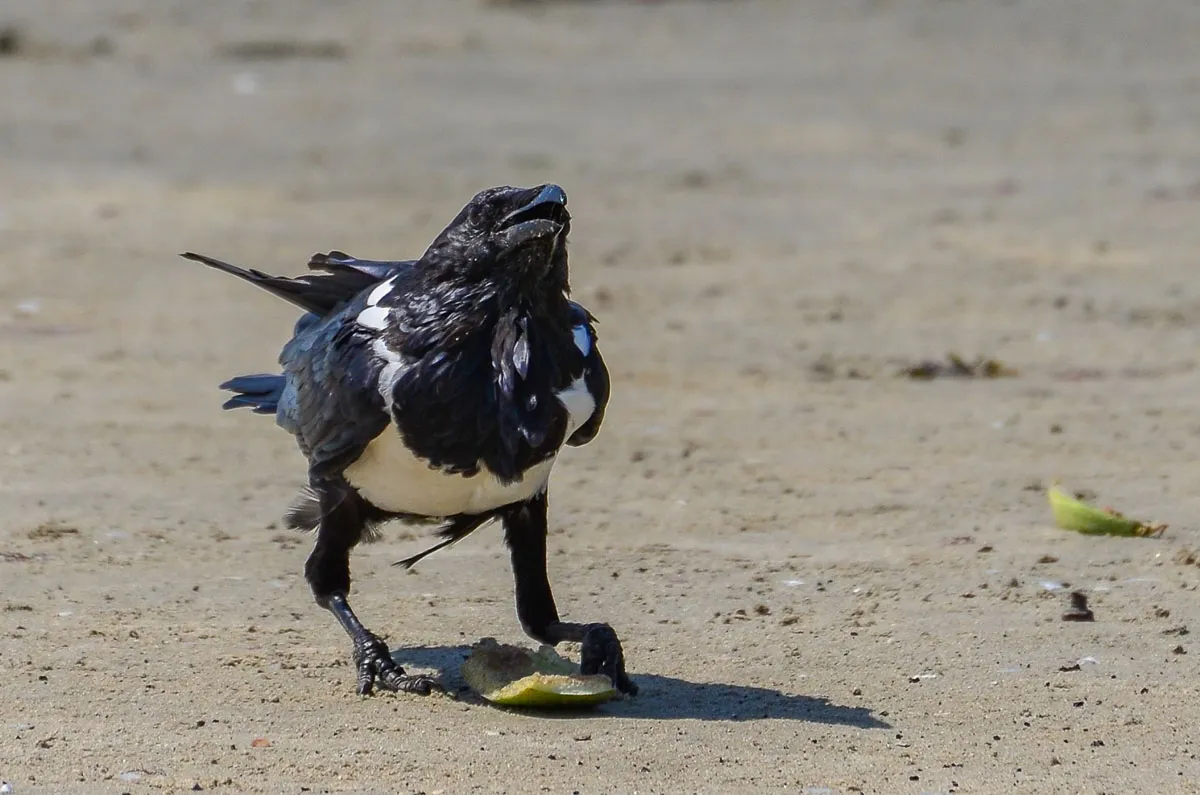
(456, 529)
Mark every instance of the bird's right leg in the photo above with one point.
(600, 649)
(343, 522)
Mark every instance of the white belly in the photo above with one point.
(394, 479)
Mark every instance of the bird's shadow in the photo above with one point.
(662, 697)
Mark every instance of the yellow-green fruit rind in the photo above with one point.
(516, 677)
(554, 690)
(1071, 514)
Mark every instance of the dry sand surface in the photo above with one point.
(829, 579)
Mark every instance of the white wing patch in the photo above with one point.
(380, 291)
(374, 316)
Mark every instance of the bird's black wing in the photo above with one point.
(595, 373)
(339, 279)
(343, 263)
(332, 403)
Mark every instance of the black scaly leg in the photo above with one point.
(344, 519)
(525, 533)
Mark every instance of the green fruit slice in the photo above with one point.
(517, 677)
(1071, 514)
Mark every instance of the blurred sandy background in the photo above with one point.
(829, 579)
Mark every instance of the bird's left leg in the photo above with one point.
(343, 522)
(525, 533)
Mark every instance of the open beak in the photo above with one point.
(545, 216)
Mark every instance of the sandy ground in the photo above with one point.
(828, 579)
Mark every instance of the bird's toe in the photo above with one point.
(601, 653)
(376, 669)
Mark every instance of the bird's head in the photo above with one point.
(514, 236)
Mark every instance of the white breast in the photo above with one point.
(392, 478)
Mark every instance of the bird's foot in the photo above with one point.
(601, 654)
(377, 669)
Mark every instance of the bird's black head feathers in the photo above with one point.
(515, 236)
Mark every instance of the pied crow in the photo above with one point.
(439, 389)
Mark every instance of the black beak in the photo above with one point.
(545, 216)
(550, 203)
(550, 194)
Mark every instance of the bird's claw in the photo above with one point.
(377, 669)
(601, 653)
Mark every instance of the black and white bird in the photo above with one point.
(440, 389)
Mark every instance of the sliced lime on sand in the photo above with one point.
(517, 677)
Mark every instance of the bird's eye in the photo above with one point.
(480, 215)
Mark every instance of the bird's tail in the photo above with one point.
(258, 392)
